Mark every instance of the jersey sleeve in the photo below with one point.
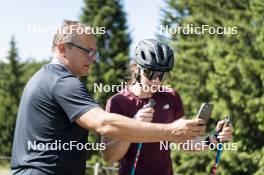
(73, 97)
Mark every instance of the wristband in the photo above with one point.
(215, 134)
(207, 140)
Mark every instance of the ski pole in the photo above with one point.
(220, 148)
(150, 104)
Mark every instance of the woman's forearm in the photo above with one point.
(115, 150)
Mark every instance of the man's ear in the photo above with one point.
(61, 48)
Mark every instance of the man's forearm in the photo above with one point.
(123, 128)
(120, 127)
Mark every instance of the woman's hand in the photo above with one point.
(226, 134)
(144, 115)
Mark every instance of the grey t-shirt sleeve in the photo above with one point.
(73, 97)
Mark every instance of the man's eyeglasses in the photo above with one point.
(90, 52)
(153, 74)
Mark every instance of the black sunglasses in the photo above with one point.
(153, 74)
(90, 52)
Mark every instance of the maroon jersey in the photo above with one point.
(152, 160)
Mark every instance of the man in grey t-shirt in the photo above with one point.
(50, 103)
(56, 110)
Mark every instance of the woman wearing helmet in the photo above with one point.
(150, 66)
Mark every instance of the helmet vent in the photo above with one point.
(161, 52)
(153, 55)
(143, 55)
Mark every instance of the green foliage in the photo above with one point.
(113, 45)
(14, 76)
(10, 91)
(226, 70)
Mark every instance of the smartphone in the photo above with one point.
(205, 111)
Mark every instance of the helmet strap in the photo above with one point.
(138, 77)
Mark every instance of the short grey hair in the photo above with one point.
(67, 32)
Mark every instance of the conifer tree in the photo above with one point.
(11, 87)
(225, 69)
